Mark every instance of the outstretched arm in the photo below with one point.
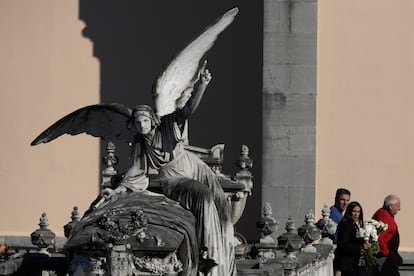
(204, 79)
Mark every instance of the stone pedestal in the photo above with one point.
(290, 241)
(43, 238)
(327, 226)
(309, 232)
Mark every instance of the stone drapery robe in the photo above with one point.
(188, 180)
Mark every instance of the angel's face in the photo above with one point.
(143, 124)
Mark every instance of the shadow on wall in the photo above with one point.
(134, 40)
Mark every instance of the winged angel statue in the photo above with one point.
(158, 139)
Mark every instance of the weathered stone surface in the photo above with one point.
(291, 16)
(290, 172)
(289, 141)
(303, 79)
(282, 109)
(289, 107)
(290, 1)
(289, 48)
(277, 17)
(303, 17)
(290, 78)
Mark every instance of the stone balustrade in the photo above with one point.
(295, 252)
(267, 257)
(289, 254)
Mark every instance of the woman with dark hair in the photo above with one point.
(349, 247)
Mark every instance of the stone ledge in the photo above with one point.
(24, 242)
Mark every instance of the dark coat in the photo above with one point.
(349, 248)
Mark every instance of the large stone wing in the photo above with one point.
(182, 71)
(108, 121)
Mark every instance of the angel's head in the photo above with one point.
(144, 119)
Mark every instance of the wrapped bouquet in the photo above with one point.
(370, 233)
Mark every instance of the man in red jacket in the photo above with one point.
(389, 240)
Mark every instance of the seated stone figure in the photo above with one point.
(183, 178)
(158, 142)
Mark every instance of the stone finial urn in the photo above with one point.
(326, 225)
(69, 226)
(242, 189)
(267, 225)
(290, 241)
(110, 160)
(245, 163)
(309, 232)
(43, 237)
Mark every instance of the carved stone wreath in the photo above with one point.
(119, 226)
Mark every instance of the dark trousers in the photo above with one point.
(388, 266)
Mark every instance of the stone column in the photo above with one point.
(289, 101)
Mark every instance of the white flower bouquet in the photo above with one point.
(370, 233)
